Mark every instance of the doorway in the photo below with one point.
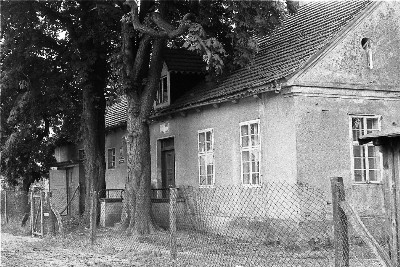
(167, 163)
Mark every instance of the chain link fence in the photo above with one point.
(274, 224)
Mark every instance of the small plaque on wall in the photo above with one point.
(164, 127)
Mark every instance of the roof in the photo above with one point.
(385, 134)
(117, 113)
(183, 60)
(282, 54)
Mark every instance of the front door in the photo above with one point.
(167, 163)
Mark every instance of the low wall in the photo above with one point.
(110, 211)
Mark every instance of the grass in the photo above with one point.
(193, 249)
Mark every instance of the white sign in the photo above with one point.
(164, 127)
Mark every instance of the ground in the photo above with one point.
(29, 251)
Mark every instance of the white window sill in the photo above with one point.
(367, 183)
(206, 186)
(252, 185)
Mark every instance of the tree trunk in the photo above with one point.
(138, 177)
(24, 202)
(138, 183)
(94, 132)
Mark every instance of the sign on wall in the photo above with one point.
(164, 127)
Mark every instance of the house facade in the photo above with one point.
(295, 115)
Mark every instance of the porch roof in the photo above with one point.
(379, 136)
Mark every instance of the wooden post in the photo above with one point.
(172, 223)
(31, 215)
(5, 206)
(341, 238)
(42, 198)
(392, 199)
(93, 216)
(51, 221)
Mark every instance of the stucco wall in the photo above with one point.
(346, 63)
(115, 178)
(277, 140)
(339, 84)
(324, 143)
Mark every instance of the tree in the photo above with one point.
(60, 49)
(222, 31)
(32, 101)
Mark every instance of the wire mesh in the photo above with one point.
(274, 224)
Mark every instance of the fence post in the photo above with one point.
(50, 223)
(172, 223)
(5, 206)
(93, 217)
(31, 215)
(42, 198)
(341, 238)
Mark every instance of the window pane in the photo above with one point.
(246, 178)
(255, 155)
(203, 179)
(372, 123)
(254, 140)
(210, 169)
(254, 128)
(357, 150)
(245, 141)
(357, 123)
(244, 130)
(165, 90)
(245, 156)
(209, 179)
(201, 142)
(255, 166)
(208, 146)
(208, 136)
(359, 163)
(359, 175)
(246, 167)
(255, 178)
(374, 175)
(373, 151)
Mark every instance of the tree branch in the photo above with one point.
(153, 76)
(168, 31)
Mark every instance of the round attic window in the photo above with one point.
(366, 43)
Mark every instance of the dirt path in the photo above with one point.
(28, 251)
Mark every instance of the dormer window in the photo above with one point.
(162, 97)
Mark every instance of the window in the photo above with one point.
(81, 154)
(111, 158)
(206, 157)
(366, 159)
(250, 152)
(162, 97)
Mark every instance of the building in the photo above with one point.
(329, 74)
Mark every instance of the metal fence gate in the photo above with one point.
(37, 213)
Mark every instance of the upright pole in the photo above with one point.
(5, 206)
(93, 216)
(341, 238)
(42, 198)
(31, 215)
(172, 223)
(51, 223)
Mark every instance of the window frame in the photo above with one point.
(365, 149)
(205, 153)
(168, 102)
(114, 165)
(250, 149)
